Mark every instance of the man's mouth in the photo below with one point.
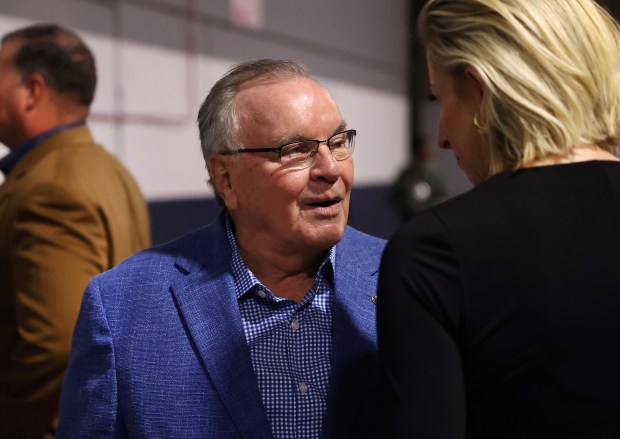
(325, 203)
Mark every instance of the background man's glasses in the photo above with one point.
(300, 154)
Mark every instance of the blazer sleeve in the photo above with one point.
(58, 244)
(89, 405)
(418, 316)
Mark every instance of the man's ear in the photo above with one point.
(219, 167)
(35, 89)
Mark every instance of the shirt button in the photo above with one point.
(295, 325)
(303, 387)
(261, 294)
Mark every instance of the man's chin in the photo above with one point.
(327, 235)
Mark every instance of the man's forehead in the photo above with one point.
(286, 109)
(264, 86)
(274, 92)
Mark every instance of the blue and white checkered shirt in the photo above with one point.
(290, 344)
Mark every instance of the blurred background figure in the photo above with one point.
(419, 185)
(498, 309)
(68, 210)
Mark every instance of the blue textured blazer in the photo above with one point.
(159, 349)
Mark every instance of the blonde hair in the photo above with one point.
(550, 70)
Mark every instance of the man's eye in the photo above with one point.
(295, 149)
(339, 141)
(335, 144)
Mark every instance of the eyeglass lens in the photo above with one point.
(301, 154)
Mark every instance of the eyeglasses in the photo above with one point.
(300, 154)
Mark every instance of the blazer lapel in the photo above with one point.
(354, 358)
(206, 300)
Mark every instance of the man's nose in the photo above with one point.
(325, 164)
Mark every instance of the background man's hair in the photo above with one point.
(59, 56)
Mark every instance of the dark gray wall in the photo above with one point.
(341, 39)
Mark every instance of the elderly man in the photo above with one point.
(261, 324)
(68, 211)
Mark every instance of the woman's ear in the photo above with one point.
(219, 167)
(473, 76)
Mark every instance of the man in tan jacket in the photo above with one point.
(68, 210)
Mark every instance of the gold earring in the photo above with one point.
(477, 125)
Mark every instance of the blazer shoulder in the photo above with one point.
(358, 252)
(201, 248)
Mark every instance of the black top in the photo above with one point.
(499, 310)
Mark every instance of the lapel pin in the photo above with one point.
(374, 299)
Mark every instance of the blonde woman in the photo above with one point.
(499, 310)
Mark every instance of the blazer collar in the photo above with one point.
(68, 138)
(8, 162)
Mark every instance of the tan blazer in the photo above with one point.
(68, 211)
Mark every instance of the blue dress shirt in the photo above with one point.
(290, 346)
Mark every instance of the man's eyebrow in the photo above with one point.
(341, 127)
(283, 140)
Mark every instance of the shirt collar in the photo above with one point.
(245, 280)
(8, 162)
